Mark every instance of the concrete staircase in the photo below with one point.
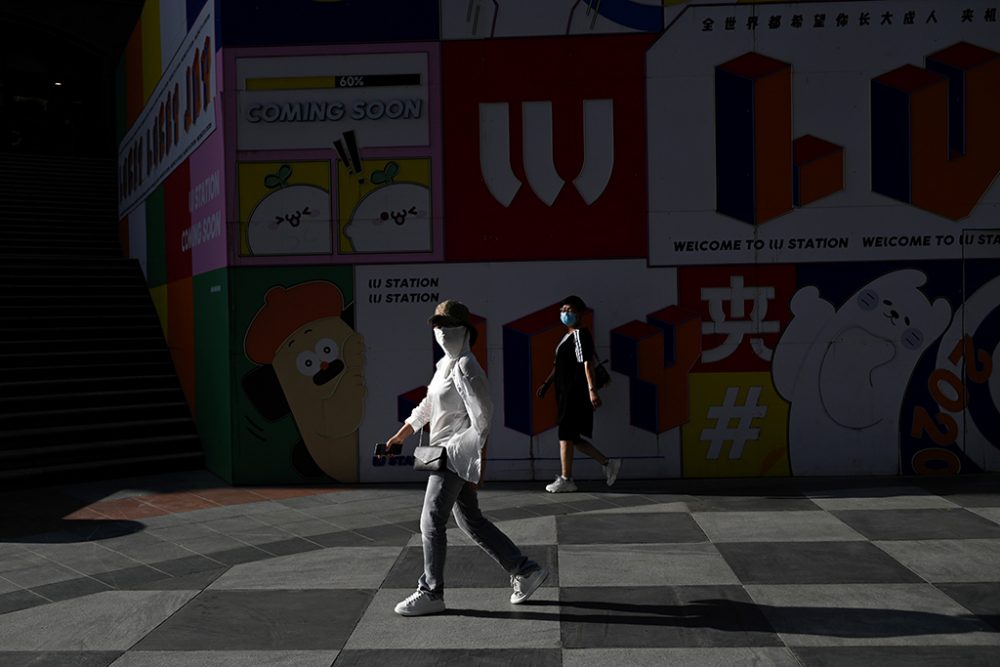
(87, 385)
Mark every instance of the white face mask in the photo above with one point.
(451, 339)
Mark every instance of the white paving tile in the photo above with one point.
(338, 567)
(226, 659)
(533, 530)
(950, 561)
(114, 620)
(791, 526)
(477, 617)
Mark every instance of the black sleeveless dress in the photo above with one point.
(575, 412)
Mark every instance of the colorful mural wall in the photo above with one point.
(782, 217)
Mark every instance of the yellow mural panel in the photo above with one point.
(385, 206)
(738, 427)
(284, 208)
(152, 65)
(160, 298)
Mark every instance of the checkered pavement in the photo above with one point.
(757, 572)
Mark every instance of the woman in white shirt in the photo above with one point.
(459, 410)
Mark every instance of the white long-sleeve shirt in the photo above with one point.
(459, 409)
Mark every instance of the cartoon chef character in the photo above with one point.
(319, 361)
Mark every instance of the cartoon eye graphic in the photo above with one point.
(868, 299)
(308, 363)
(912, 339)
(327, 350)
(383, 216)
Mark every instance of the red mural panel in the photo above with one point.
(743, 311)
(177, 218)
(546, 150)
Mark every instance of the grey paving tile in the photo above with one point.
(57, 658)
(929, 524)
(39, 575)
(19, 559)
(294, 545)
(343, 567)
(7, 586)
(195, 581)
(475, 618)
(103, 622)
(19, 599)
(87, 557)
(307, 527)
(648, 508)
(790, 526)
(642, 565)
(240, 555)
(522, 532)
(880, 498)
(72, 588)
(206, 545)
(754, 503)
(948, 560)
(659, 616)
(468, 567)
(132, 577)
(387, 535)
(179, 567)
(990, 513)
(869, 614)
(508, 513)
(261, 620)
(813, 563)
(342, 538)
(146, 549)
(751, 656)
(628, 528)
(897, 656)
(227, 659)
(452, 657)
(982, 599)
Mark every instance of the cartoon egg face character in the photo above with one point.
(321, 371)
(393, 218)
(319, 361)
(290, 220)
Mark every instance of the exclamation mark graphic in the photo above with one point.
(348, 152)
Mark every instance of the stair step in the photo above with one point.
(79, 370)
(97, 383)
(67, 358)
(56, 416)
(81, 433)
(14, 335)
(90, 399)
(56, 341)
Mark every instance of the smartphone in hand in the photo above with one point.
(382, 450)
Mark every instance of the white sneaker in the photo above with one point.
(561, 485)
(420, 604)
(611, 470)
(526, 584)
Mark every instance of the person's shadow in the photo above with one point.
(584, 617)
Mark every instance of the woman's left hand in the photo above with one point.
(595, 400)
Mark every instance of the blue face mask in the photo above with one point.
(567, 318)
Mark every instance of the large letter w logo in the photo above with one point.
(539, 166)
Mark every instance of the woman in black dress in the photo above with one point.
(576, 397)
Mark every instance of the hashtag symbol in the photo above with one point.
(724, 415)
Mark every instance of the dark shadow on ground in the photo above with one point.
(738, 616)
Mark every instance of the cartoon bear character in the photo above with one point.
(319, 362)
(845, 372)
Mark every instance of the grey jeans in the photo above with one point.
(446, 490)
